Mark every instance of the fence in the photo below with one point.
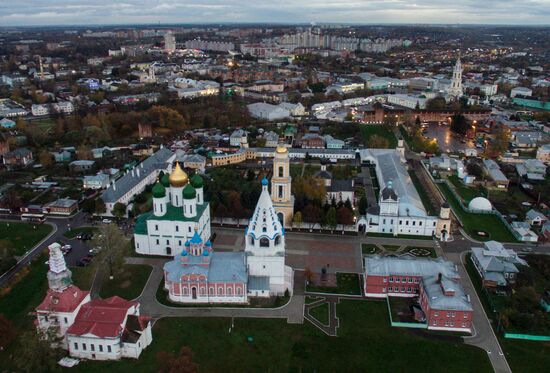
(529, 337)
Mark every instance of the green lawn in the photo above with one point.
(405, 236)
(391, 247)
(369, 249)
(467, 193)
(320, 313)
(75, 231)
(128, 284)
(370, 130)
(478, 222)
(366, 342)
(23, 236)
(347, 283)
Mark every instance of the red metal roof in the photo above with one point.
(65, 301)
(102, 318)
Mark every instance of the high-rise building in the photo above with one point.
(455, 90)
(169, 42)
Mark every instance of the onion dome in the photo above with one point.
(281, 149)
(264, 181)
(189, 192)
(205, 253)
(208, 243)
(165, 180)
(187, 243)
(197, 181)
(159, 191)
(184, 252)
(178, 178)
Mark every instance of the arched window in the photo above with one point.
(277, 239)
(264, 242)
(203, 291)
(211, 291)
(251, 240)
(229, 292)
(239, 291)
(220, 291)
(264, 229)
(281, 171)
(185, 291)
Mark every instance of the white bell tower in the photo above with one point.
(281, 183)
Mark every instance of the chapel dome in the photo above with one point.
(178, 178)
(189, 192)
(197, 181)
(159, 191)
(281, 149)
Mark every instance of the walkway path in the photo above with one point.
(293, 311)
(331, 328)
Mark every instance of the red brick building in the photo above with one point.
(433, 282)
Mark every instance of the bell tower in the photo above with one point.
(281, 193)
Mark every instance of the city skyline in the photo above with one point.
(78, 12)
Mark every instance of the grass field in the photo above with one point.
(320, 313)
(128, 284)
(370, 130)
(478, 222)
(366, 342)
(369, 249)
(23, 236)
(467, 193)
(426, 201)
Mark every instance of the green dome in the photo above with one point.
(165, 180)
(189, 192)
(196, 181)
(159, 191)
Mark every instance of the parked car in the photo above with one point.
(106, 221)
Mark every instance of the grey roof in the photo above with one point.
(496, 259)
(494, 171)
(63, 202)
(157, 161)
(533, 214)
(385, 266)
(340, 186)
(323, 174)
(389, 193)
(224, 267)
(437, 298)
(258, 283)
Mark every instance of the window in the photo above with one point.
(400, 222)
(92, 347)
(100, 348)
(168, 242)
(66, 321)
(410, 280)
(414, 222)
(189, 230)
(465, 315)
(383, 221)
(177, 228)
(402, 289)
(280, 191)
(156, 227)
(463, 324)
(384, 280)
(436, 314)
(391, 279)
(397, 279)
(264, 242)
(220, 291)
(277, 240)
(409, 289)
(229, 291)
(434, 223)
(158, 242)
(281, 171)
(179, 242)
(108, 348)
(420, 223)
(84, 346)
(76, 346)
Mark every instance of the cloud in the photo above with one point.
(47, 12)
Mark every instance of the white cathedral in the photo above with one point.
(179, 226)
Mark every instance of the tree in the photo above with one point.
(45, 158)
(7, 332)
(84, 152)
(500, 142)
(344, 216)
(100, 207)
(459, 124)
(11, 201)
(119, 210)
(36, 353)
(312, 214)
(378, 142)
(436, 103)
(182, 363)
(298, 219)
(331, 219)
(363, 205)
(111, 245)
(88, 206)
(7, 258)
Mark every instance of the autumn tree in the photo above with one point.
(35, 353)
(7, 332)
(344, 216)
(112, 246)
(100, 207)
(84, 152)
(45, 158)
(119, 210)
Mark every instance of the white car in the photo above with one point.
(106, 221)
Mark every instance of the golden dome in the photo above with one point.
(281, 149)
(178, 178)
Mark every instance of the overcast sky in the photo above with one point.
(57, 12)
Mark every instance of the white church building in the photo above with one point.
(179, 210)
(400, 210)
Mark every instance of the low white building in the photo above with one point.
(407, 101)
(543, 153)
(63, 107)
(522, 91)
(261, 110)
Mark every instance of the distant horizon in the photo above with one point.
(73, 13)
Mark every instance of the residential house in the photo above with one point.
(496, 265)
(532, 169)
(82, 166)
(312, 141)
(7, 123)
(333, 143)
(99, 181)
(543, 153)
(63, 206)
(535, 218)
(499, 180)
(524, 232)
(238, 137)
(20, 157)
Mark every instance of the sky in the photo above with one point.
(90, 12)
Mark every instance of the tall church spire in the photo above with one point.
(455, 90)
